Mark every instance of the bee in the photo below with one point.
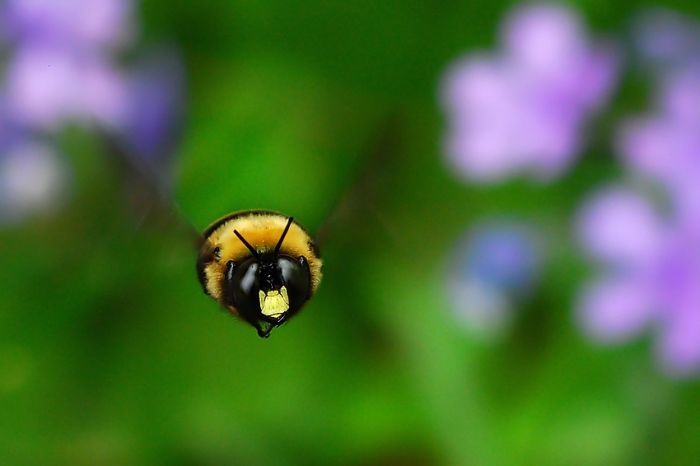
(259, 265)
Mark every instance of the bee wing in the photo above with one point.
(359, 203)
(148, 184)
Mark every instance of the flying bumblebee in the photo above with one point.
(262, 266)
(259, 265)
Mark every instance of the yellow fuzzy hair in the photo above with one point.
(262, 230)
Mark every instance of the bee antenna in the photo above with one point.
(247, 244)
(284, 233)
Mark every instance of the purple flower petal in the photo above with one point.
(482, 99)
(41, 86)
(678, 347)
(544, 37)
(618, 226)
(647, 144)
(47, 86)
(521, 111)
(615, 309)
(676, 274)
(680, 95)
(79, 24)
(686, 194)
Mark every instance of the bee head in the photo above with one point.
(268, 287)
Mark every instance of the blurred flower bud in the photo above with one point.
(493, 267)
(663, 39)
(32, 181)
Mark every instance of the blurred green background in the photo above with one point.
(110, 354)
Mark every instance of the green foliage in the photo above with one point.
(110, 353)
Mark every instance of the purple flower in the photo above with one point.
(48, 87)
(60, 69)
(650, 279)
(494, 266)
(665, 146)
(521, 110)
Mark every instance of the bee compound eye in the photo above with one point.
(297, 278)
(267, 293)
(242, 287)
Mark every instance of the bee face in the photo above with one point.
(259, 265)
(269, 290)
